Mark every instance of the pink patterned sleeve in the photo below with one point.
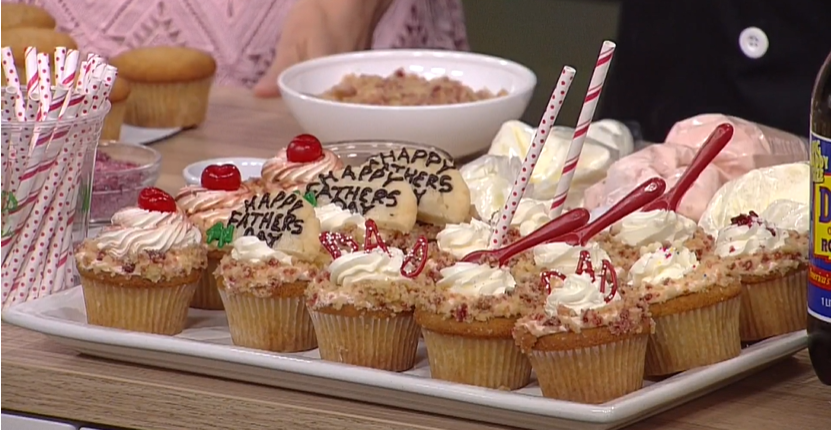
(240, 34)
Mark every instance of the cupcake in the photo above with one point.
(631, 237)
(170, 85)
(467, 319)
(118, 107)
(221, 192)
(263, 290)
(362, 303)
(140, 274)
(772, 265)
(298, 164)
(15, 15)
(588, 342)
(695, 305)
(43, 39)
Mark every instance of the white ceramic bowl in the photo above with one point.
(460, 129)
(248, 168)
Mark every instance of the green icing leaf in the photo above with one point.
(311, 198)
(9, 203)
(220, 234)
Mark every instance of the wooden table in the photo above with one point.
(46, 379)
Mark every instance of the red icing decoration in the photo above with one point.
(545, 279)
(372, 238)
(154, 199)
(224, 177)
(745, 219)
(335, 242)
(585, 260)
(608, 274)
(416, 259)
(304, 148)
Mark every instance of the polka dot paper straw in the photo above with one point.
(583, 123)
(60, 64)
(534, 151)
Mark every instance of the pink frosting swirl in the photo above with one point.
(207, 207)
(134, 229)
(287, 175)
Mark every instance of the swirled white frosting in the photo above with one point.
(333, 218)
(565, 258)
(462, 239)
(663, 264)
(376, 265)
(134, 230)
(253, 250)
(530, 215)
(578, 293)
(476, 279)
(788, 215)
(736, 240)
(658, 226)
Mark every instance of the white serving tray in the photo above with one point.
(205, 348)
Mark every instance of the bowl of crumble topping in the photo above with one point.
(455, 101)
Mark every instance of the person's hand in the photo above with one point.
(315, 28)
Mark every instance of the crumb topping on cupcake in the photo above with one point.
(469, 292)
(155, 245)
(667, 273)
(366, 280)
(751, 246)
(253, 267)
(587, 299)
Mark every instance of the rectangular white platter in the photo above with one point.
(205, 348)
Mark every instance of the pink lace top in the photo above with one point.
(240, 34)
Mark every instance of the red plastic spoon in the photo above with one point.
(717, 140)
(640, 196)
(568, 221)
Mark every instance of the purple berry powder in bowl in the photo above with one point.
(121, 171)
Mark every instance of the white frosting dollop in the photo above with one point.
(490, 179)
(788, 215)
(663, 264)
(757, 190)
(376, 266)
(134, 229)
(462, 239)
(564, 258)
(333, 218)
(530, 215)
(253, 250)
(475, 279)
(578, 293)
(658, 226)
(735, 240)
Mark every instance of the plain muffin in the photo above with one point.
(169, 85)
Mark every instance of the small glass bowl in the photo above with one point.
(115, 189)
(356, 152)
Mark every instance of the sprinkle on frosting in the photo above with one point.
(747, 235)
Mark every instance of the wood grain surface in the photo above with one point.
(44, 378)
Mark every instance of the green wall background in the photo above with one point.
(544, 35)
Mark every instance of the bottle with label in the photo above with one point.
(819, 268)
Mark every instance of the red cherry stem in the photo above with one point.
(568, 221)
(643, 194)
(717, 140)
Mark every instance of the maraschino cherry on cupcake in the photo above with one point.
(221, 191)
(141, 273)
(298, 164)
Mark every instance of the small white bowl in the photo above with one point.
(460, 129)
(248, 167)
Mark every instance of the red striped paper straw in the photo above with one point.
(67, 78)
(583, 123)
(537, 143)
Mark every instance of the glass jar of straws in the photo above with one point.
(49, 137)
